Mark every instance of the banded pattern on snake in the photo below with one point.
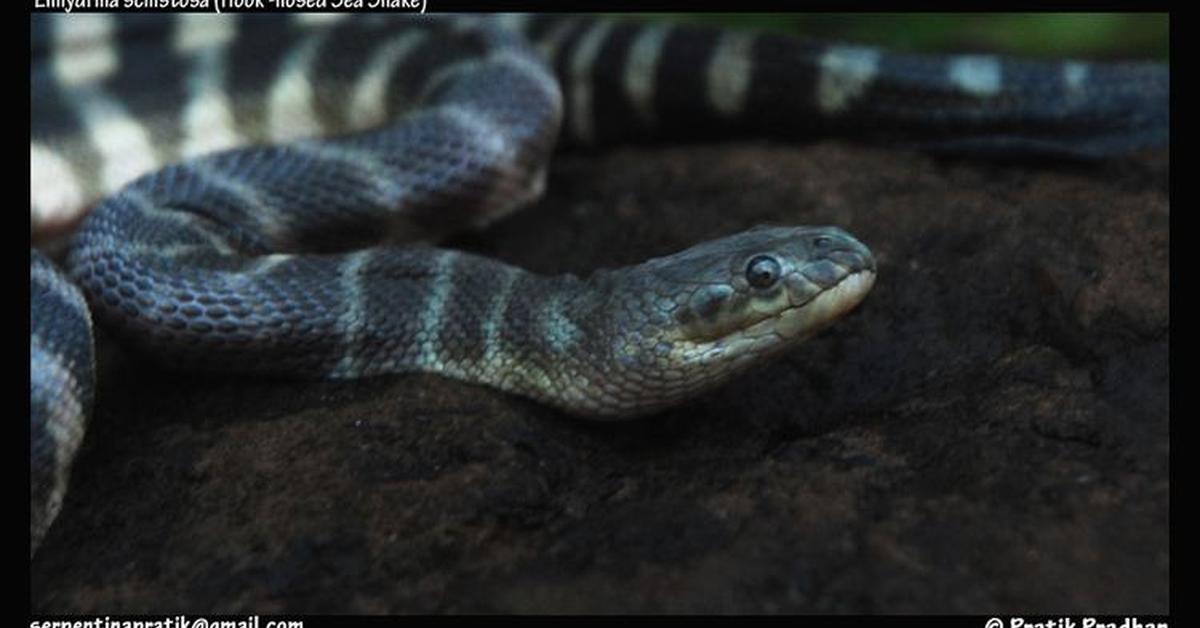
(225, 235)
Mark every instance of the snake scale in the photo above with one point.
(250, 180)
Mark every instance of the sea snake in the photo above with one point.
(251, 180)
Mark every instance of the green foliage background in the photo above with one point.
(1084, 35)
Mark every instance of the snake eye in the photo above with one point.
(763, 271)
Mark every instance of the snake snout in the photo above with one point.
(834, 254)
(835, 275)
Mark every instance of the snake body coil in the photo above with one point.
(242, 208)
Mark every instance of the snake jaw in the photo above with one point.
(796, 323)
(822, 310)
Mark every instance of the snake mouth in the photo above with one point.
(795, 319)
(826, 307)
(802, 320)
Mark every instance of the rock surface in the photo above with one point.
(989, 432)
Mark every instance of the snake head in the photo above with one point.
(707, 312)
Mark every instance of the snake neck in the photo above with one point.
(599, 347)
(552, 338)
